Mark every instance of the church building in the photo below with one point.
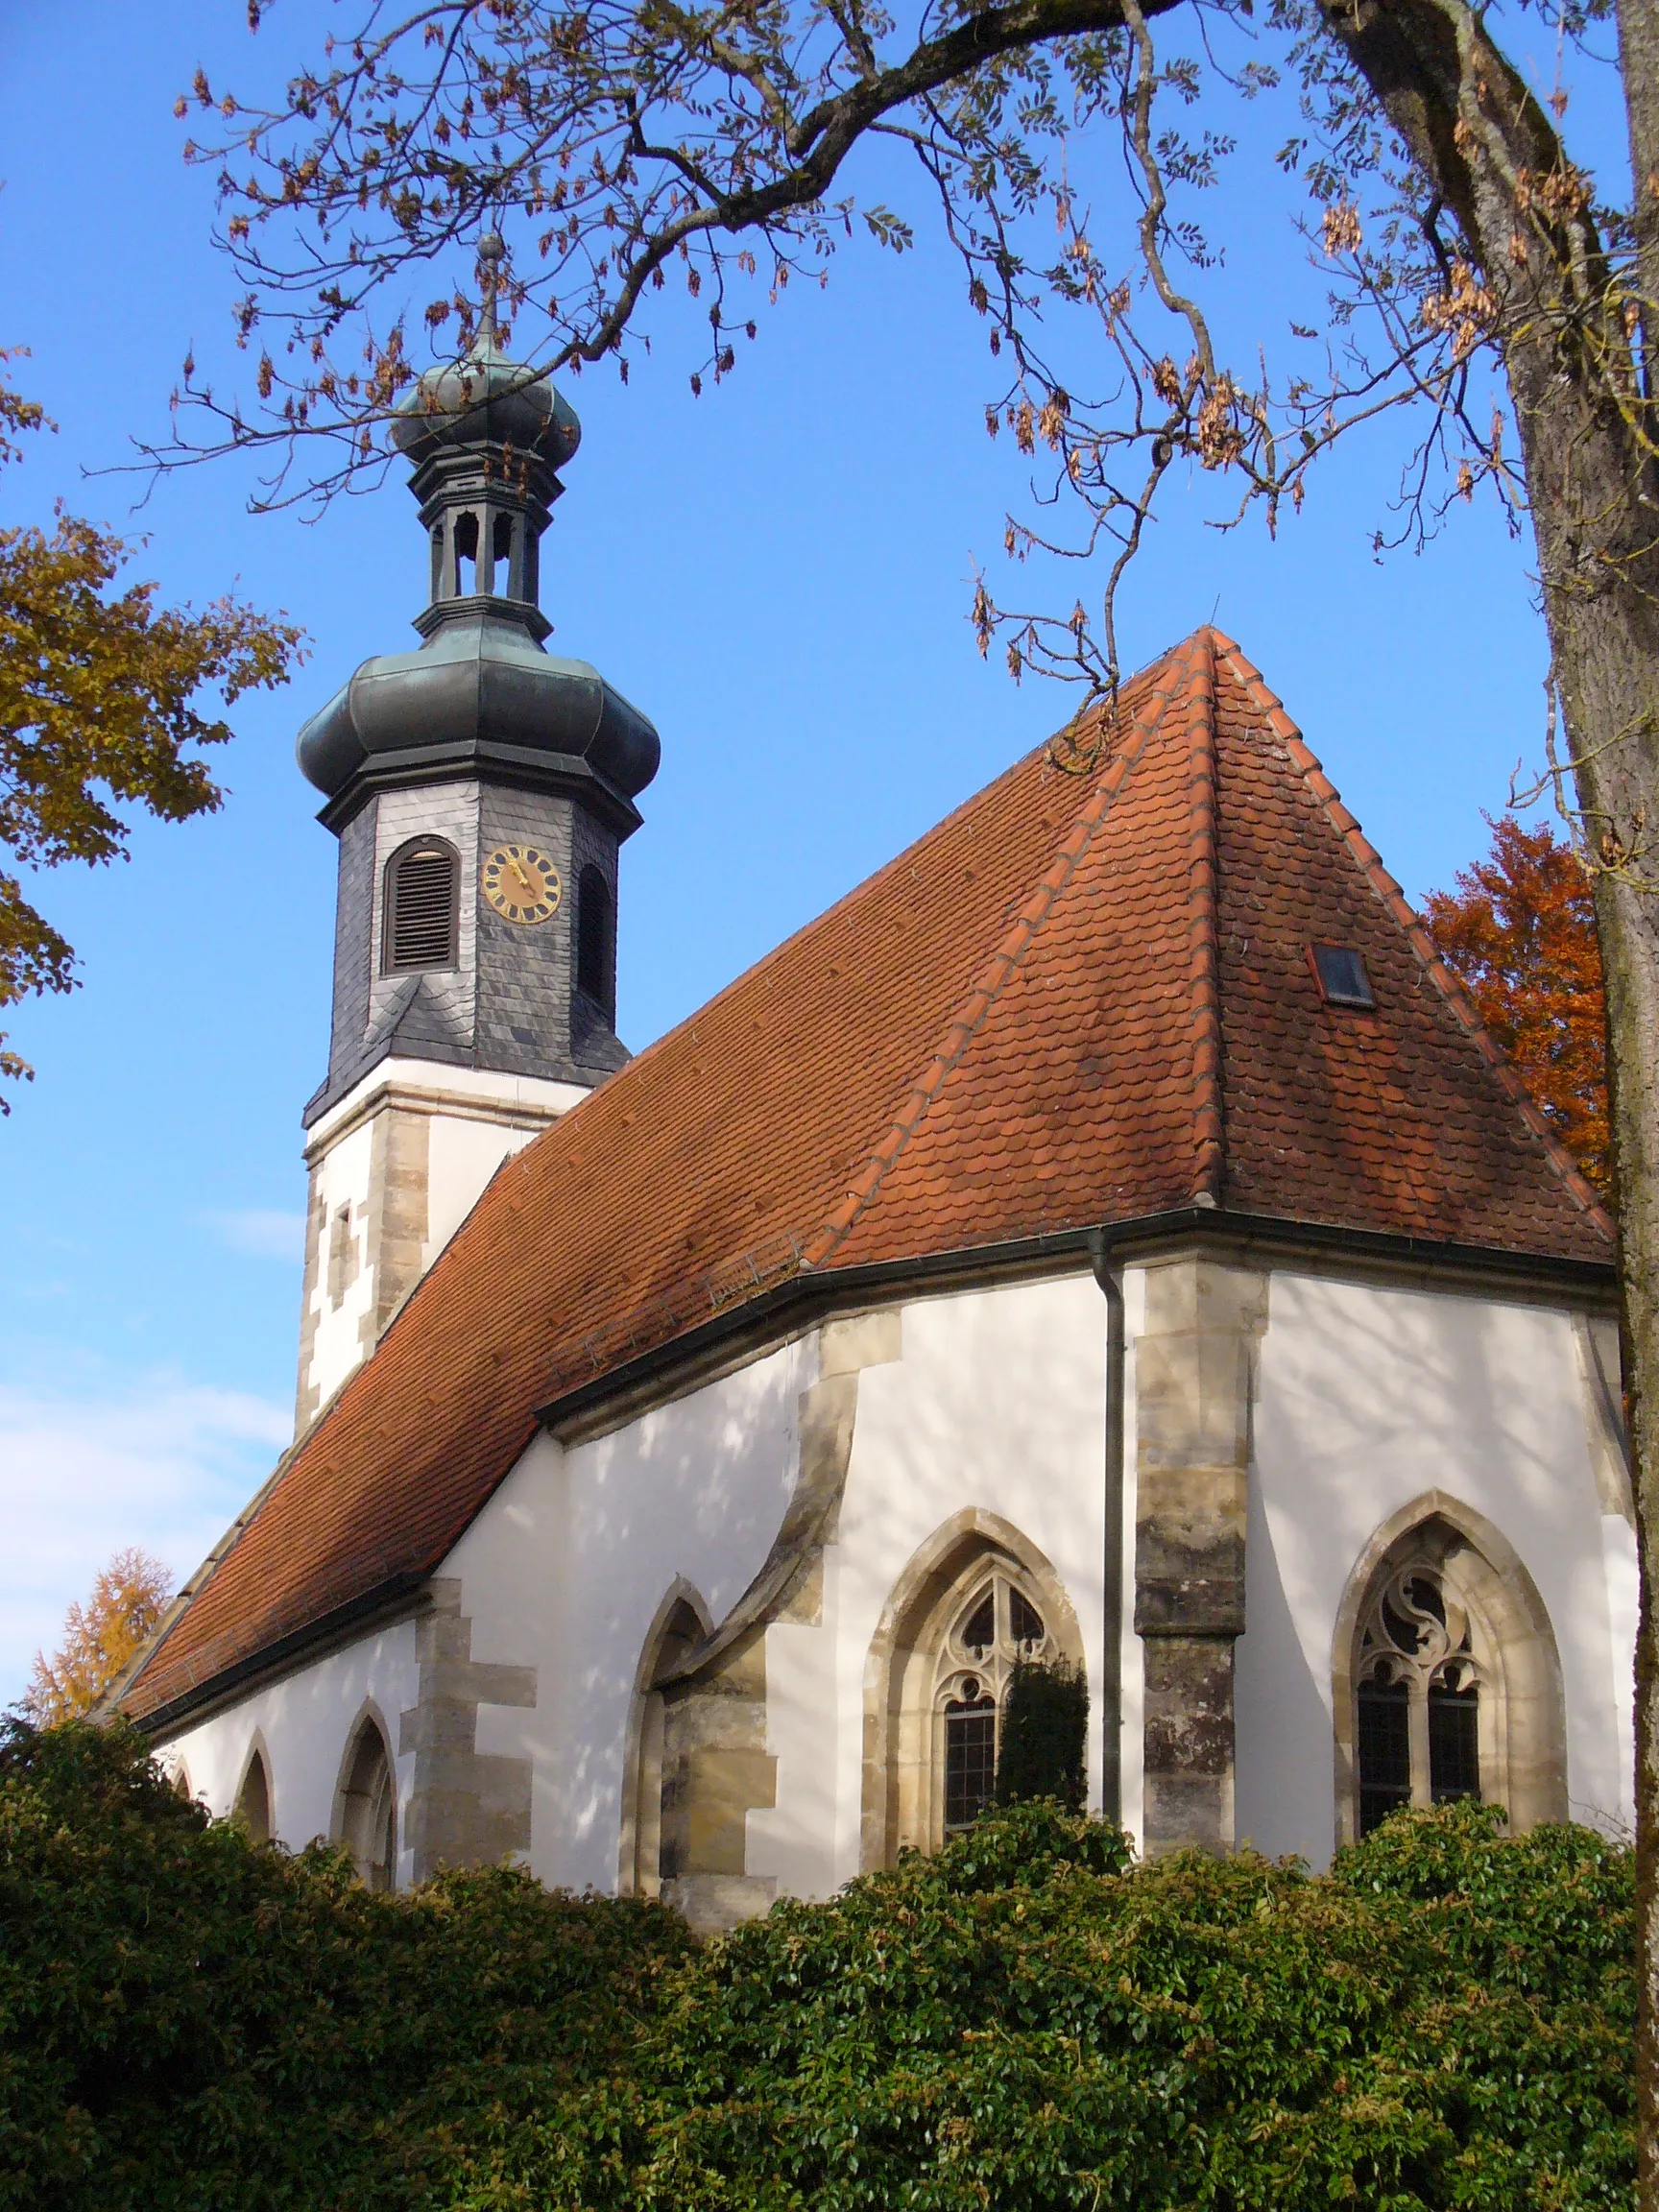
(1108, 1234)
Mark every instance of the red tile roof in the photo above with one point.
(1078, 1000)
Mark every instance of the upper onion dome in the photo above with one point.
(484, 399)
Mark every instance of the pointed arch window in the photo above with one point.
(422, 907)
(367, 1821)
(680, 1628)
(1419, 1695)
(253, 1800)
(973, 1601)
(998, 1626)
(1448, 1681)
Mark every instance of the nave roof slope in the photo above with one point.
(1078, 1000)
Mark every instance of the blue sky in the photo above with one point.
(777, 573)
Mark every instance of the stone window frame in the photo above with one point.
(680, 1623)
(910, 1666)
(1522, 1723)
(354, 1822)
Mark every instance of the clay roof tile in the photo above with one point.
(1079, 998)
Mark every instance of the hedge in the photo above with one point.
(1028, 2020)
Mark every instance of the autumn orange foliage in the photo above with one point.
(1521, 932)
(99, 1638)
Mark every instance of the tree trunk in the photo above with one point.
(1639, 67)
(1605, 632)
(1594, 494)
(1626, 923)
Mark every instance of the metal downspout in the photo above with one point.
(1112, 1563)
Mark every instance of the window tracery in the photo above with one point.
(973, 1599)
(997, 1628)
(1446, 1678)
(1419, 1689)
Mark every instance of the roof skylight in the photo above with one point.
(1341, 975)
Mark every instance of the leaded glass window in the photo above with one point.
(969, 1757)
(1418, 1696)
(998, 1627)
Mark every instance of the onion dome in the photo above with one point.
(484, 399)
(487, 436)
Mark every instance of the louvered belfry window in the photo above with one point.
(420, 907)
(595, 949)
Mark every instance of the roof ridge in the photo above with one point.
(1203, 951)
(1001, 963)
(1370, 863)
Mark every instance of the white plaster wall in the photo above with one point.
(461, 1155)
(998, 1402)
(566, 1567)
(465, 1147)
(1367, 1399)
(800, 1842)
(307, 1723)
(341, 1178)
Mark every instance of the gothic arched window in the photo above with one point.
(595, 940)
(973, 1601)
(1446, 1679)
(998, 1627)
(1418, 1696)
(367, 1822)
(253, 1800)
(423, 906)
(680, 1624)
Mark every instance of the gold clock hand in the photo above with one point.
(519, 871)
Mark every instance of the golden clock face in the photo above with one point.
(522, 883)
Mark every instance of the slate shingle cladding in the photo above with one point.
(508, 1003)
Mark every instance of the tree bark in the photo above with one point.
(1639, 67)
(1594, 495)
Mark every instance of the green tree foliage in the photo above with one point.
(189, 2020)
(98, 706)
(1446, 2020)
(1044, 1750)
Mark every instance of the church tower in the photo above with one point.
(480, 789)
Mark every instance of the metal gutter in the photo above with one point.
(1101, 1255)
(813, 1292)
(389, 1597)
